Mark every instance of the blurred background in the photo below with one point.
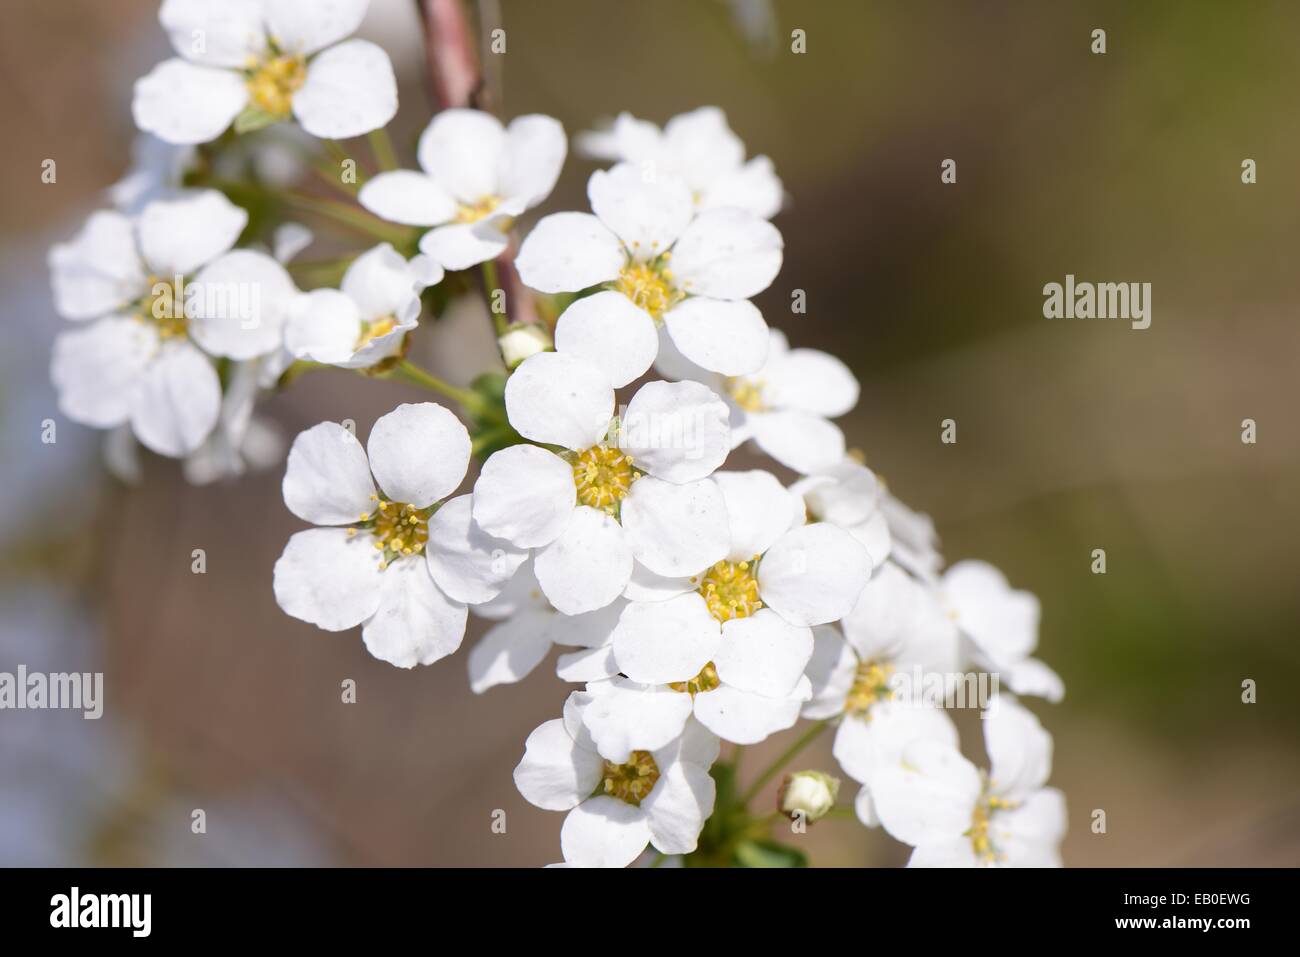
(1071, 436)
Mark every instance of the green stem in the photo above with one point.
(786, 756)
(491, 283)
(382, 148)
(349, 216)
(408, 371)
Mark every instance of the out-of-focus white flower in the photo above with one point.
(896, 625)
(392, 557)
(137, 360)
(618, 802)
(808, 794)
(255, 62)
(157, 170)
(938, 802)
(914, 543)
(477, 177)
(367, 318)
(700, 148)
(784, 406)
(736, 636)
(692, 273)
(1002, 625)
(592, 508)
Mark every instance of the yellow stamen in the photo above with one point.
(746, 393)
(272, 84)
(399, 529)
(731, 589)
(480, 209)
(631, 782)
(603, 476)
(650, 285)
(375, 329)
(163, 307)
(706, 680)
(870, 684)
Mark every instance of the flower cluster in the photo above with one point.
(703, 601)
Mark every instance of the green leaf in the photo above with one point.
(765, 853)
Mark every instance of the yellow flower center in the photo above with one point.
(706, 680)
(731, 589)
(399, 529)
(746, 393)
(650, 285)
(375, 329)
(870, 684)
(273, 82)
(603, 476)
(164, 308)
(633, 781)
(473, 212)
(979, 827)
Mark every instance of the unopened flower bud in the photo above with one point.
(523, 340)
(810, 793)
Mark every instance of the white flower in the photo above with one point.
(591, 509)
(783, 407)
(367, 318)
(849, 494)
(391, 557)
(1002, 626)
(254, 62)
(137, 362)
(478, 176)
(692, 273)
(938, 802)
(700, 148)
(808, 794)
(735, 636)
(157, 170)
(659, 794)
(914, 543)
(895, 626)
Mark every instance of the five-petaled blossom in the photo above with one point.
(478, 176)
(256, 62)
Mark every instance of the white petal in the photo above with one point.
(743, 717)
(800, 441)
(759, 511)
(99, 270)
(677, 431)
(463, 245)
(566, 252)
(677, 808)
(327, 480)
(415, 623)
(535, 151)
(382, 283)
(237, 304)
(755, 188)
(328, 578)
(305, 26)
(703, 146)
(647, 209)
(604, 832)
(592, 629)
(930, 796)
(224, 34)
(182, 103)
(586, 664)
(288, 240)
(406, 197)
(865, 808)
(1028, 835)
(666, 641)
(1029, 676)
(525, 495)
(953, 852)
(97, 370)
(177, 401)
(177, 236)
(727, 254)
(1003, 621)
(645, 585)
(509, 651)
(462, 150)
(845, 494)
(350, 89)
(588, 566)
(556, 774)
(1019, 749)
(611, 333)
(418, 453)
(726, 337)
(560, 400)
(897, 619)
(813, 574)
(466, 562)
(763, 654)
(810, 381)
(697, 745)
(672, 365)
(322, 326)
(522, 594)
(866, 745)
(675, 530)
(830, 671)
(633, 717)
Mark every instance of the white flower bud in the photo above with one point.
(523, 340)
(811, 793)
